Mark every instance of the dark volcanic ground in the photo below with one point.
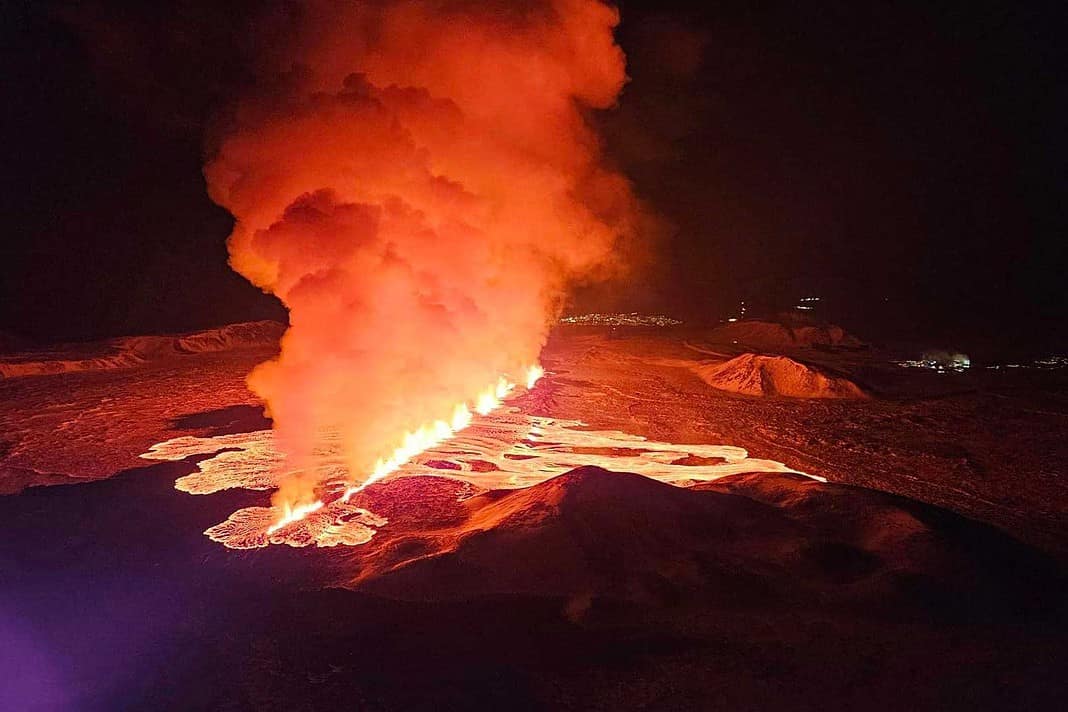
(988, 444)
(589, 591)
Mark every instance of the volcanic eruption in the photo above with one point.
(418, 183)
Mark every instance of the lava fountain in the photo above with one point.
(414, 443)
(419, 184)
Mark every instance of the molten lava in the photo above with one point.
(534, 374)
(414, 443)
(508, 449)
(294, 514)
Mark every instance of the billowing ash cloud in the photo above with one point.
(417, 182)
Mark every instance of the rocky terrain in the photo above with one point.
(759, 375)
(924, 574)
(130, 351)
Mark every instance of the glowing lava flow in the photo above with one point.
(534, 374)
(295, 514)
(507, 449)
(416, 442)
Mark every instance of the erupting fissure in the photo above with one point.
(507, 449)
(416, 442)
(421, 184)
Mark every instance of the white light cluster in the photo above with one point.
(1046, 363)
(632, 319)
(938, 366)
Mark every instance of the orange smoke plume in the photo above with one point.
(419, 185)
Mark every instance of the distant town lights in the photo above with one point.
(631, 319)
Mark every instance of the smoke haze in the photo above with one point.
(418, 183)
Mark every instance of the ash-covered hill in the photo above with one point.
(744, 540)
(757, 375)
(129, 351)
(774, 335)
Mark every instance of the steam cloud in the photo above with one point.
(418, 182)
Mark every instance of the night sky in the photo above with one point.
(906, 163)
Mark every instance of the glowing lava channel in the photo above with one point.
(419, 441)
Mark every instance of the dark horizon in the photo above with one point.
(905, 164)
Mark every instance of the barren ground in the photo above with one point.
(776, 598)
(988, 444)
